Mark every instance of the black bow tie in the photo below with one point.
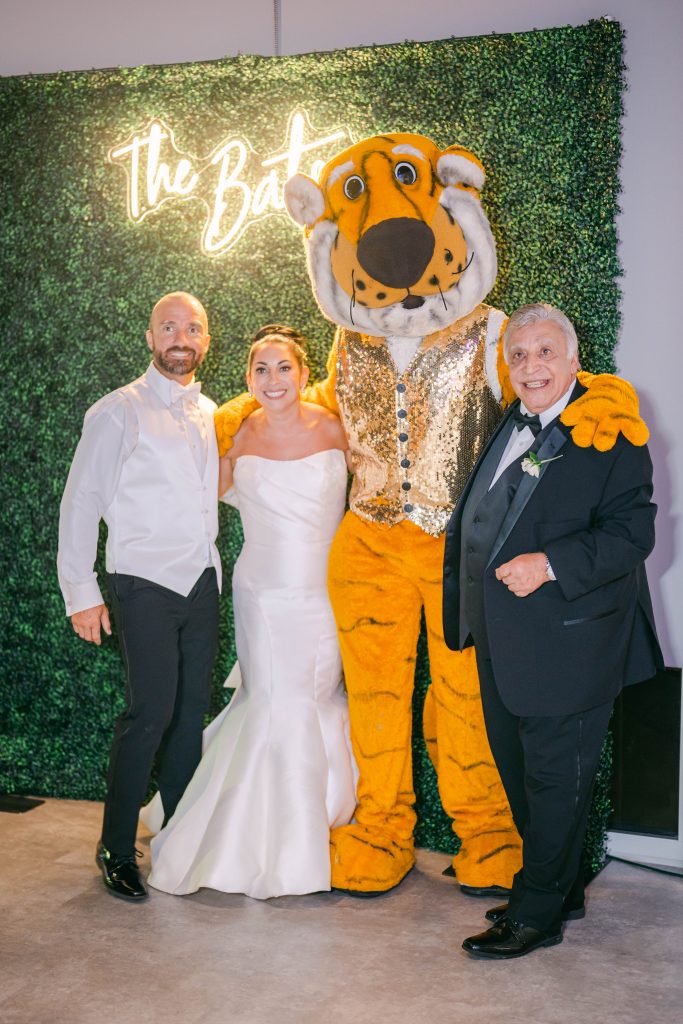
(522, 420)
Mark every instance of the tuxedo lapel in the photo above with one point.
(545, 447)
(549, 449)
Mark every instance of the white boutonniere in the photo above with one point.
(532, 464)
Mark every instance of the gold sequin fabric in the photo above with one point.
(415, 436)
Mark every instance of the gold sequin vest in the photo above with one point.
(415, 436)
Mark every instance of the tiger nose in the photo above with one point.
(396, 252)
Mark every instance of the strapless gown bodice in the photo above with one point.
(277, 771)
(290, 512)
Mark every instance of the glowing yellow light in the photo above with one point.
(158, 172)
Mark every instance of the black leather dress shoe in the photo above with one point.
(509, 939)
(121, 875)
(570, 912)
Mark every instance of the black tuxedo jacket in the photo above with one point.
(573, 643)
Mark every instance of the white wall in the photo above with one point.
(50, 35)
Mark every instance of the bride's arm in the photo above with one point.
(226, 463)
(224, 474)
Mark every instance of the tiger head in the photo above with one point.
(396, 240)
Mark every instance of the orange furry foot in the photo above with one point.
(366, 861)
(491, 858)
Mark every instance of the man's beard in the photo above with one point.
(178, 367)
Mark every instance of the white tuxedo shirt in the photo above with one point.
(520, 441)
(147, 463)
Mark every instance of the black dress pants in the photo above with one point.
(168, 643)
(547, 766)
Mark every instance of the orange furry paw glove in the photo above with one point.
(229, 417)
(507, 391)
(608, 408)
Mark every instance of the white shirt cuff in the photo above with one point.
(79, 596)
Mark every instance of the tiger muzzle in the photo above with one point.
(396, 252)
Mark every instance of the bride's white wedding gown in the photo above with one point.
(277, 771)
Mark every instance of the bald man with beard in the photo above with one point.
(147, 463)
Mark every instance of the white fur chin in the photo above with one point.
(472, 288)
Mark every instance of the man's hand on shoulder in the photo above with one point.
(524, 574)
(88, 622)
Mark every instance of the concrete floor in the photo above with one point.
(71, 954)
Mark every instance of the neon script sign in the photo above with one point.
(237, 186)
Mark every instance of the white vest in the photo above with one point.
(163, 521)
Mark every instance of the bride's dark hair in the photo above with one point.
(295, 342)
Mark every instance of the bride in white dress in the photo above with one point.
(277, 771)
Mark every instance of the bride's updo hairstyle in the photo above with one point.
(294, 341)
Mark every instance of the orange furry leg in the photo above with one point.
(470, 788)
(378, 610)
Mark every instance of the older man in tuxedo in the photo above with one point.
(544, 573)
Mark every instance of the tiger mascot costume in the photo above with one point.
(400, 256)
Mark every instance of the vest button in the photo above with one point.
(403, 437)
(470, 580)
(476, 519)
(402, 414)
(407, 508)
(406, 486)
(405, 463)
(446, 570)
(400, 388)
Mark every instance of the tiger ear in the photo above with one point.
(304, 200)
(457, 166)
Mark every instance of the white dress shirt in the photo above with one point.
(521, 441)
(147, 463)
